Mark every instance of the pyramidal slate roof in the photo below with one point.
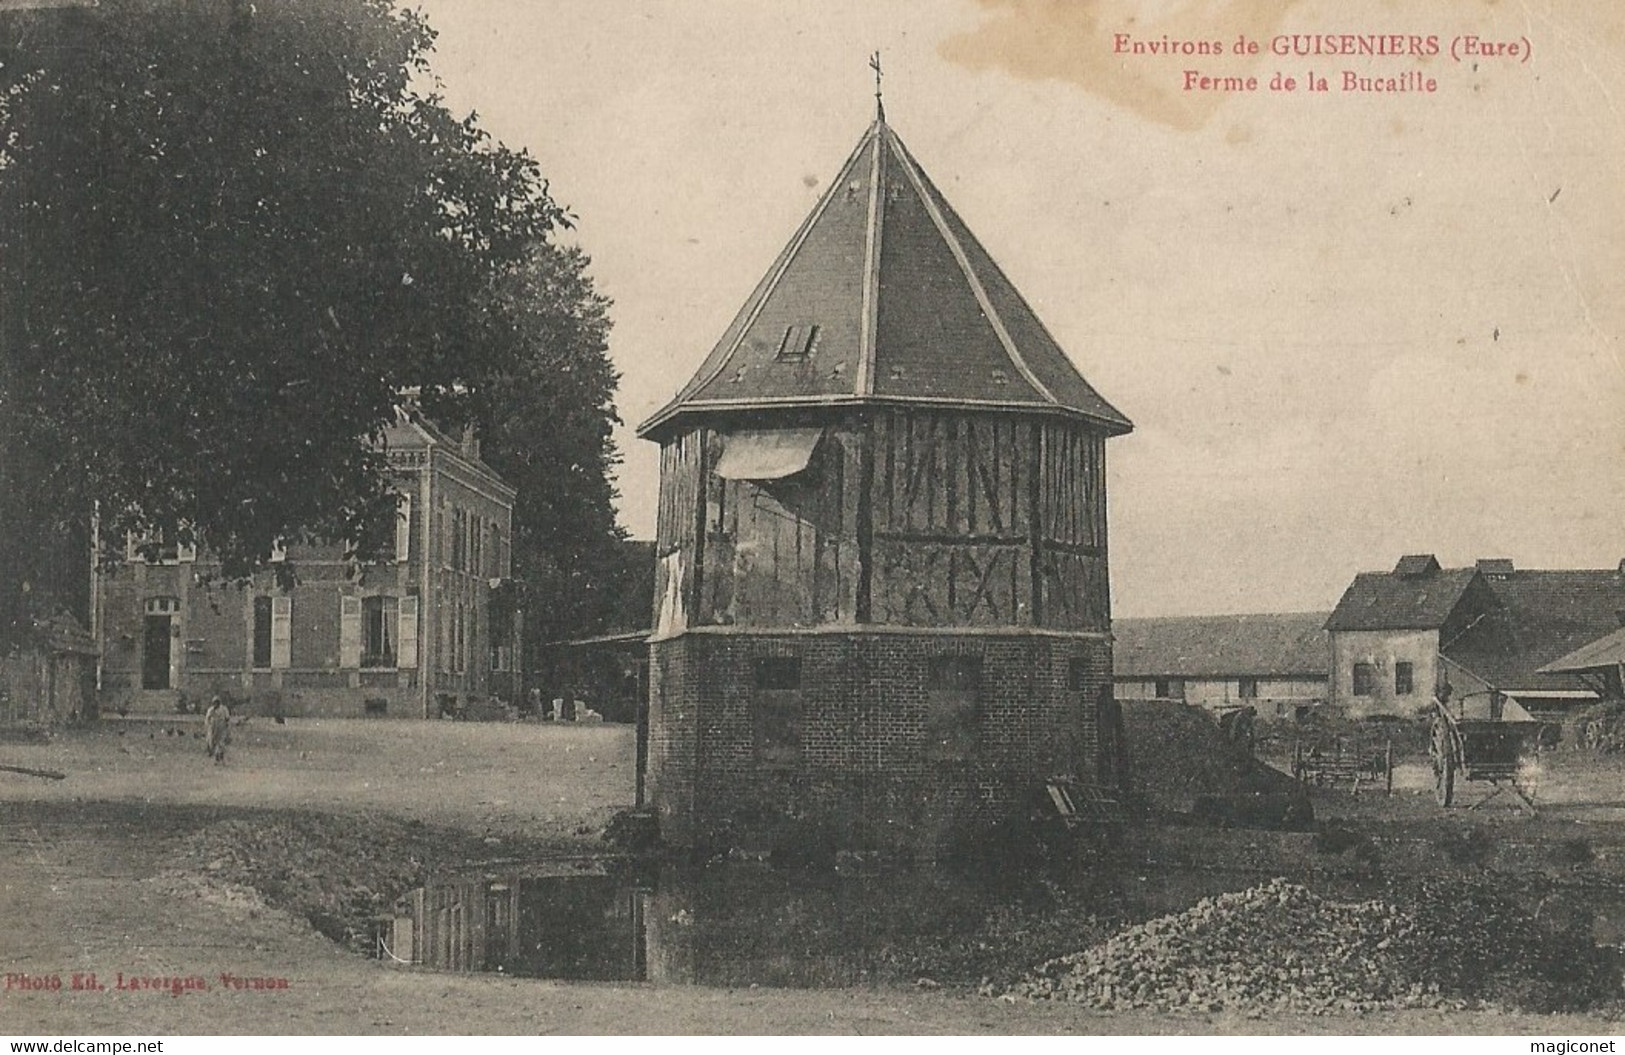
(885, 296)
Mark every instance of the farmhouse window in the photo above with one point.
(1170, 688)
(1404, 679)
(378, 621)
(776, 710)
(262, 633)
(1247, 688)
(953, 707)
(1365, 679)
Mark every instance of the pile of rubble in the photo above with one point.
(1276, 947)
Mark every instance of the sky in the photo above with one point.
(1346, 325)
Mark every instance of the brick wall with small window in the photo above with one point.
(776, 709)
(891, 740)
(953, 707)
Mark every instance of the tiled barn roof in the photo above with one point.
(1380, 600)
(1545, 616)
(1216, 646)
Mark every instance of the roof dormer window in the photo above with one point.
(797, 345)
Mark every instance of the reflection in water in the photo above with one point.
(561, 919)
(600, 919)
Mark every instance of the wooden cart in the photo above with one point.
(1355, 761)
(1488, 748)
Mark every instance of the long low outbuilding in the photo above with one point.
(1276, 662)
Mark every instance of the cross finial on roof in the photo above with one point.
(880, 107)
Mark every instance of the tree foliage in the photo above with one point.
(230, 235)
(567, 546)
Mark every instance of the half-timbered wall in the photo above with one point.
(1071, 540)
(952, 505)
(974, 519)
(784, 552)
(972, 510)
(677, 552)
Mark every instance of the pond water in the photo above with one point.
(747, 924)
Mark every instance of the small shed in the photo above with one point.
(49, 678)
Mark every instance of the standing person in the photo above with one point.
(217, 729)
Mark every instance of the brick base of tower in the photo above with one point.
(864, 764)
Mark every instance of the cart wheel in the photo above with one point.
(1444, 765)
(1444, 784)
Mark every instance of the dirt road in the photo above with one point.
(92, 880)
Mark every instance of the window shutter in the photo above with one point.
(406, 645)
(281, 632)
(349, 632)
(403, 530)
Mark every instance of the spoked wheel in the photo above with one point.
(1593, 735)
(1444, 765)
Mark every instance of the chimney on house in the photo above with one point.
(1416, 566)
(470, 444)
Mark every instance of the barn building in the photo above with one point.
(1489, 631)
(882, 612)
(1275, 663)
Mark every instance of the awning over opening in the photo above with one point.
(1600, 654)
(766, 454)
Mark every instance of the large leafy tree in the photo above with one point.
(230, 235)
(568, 551)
